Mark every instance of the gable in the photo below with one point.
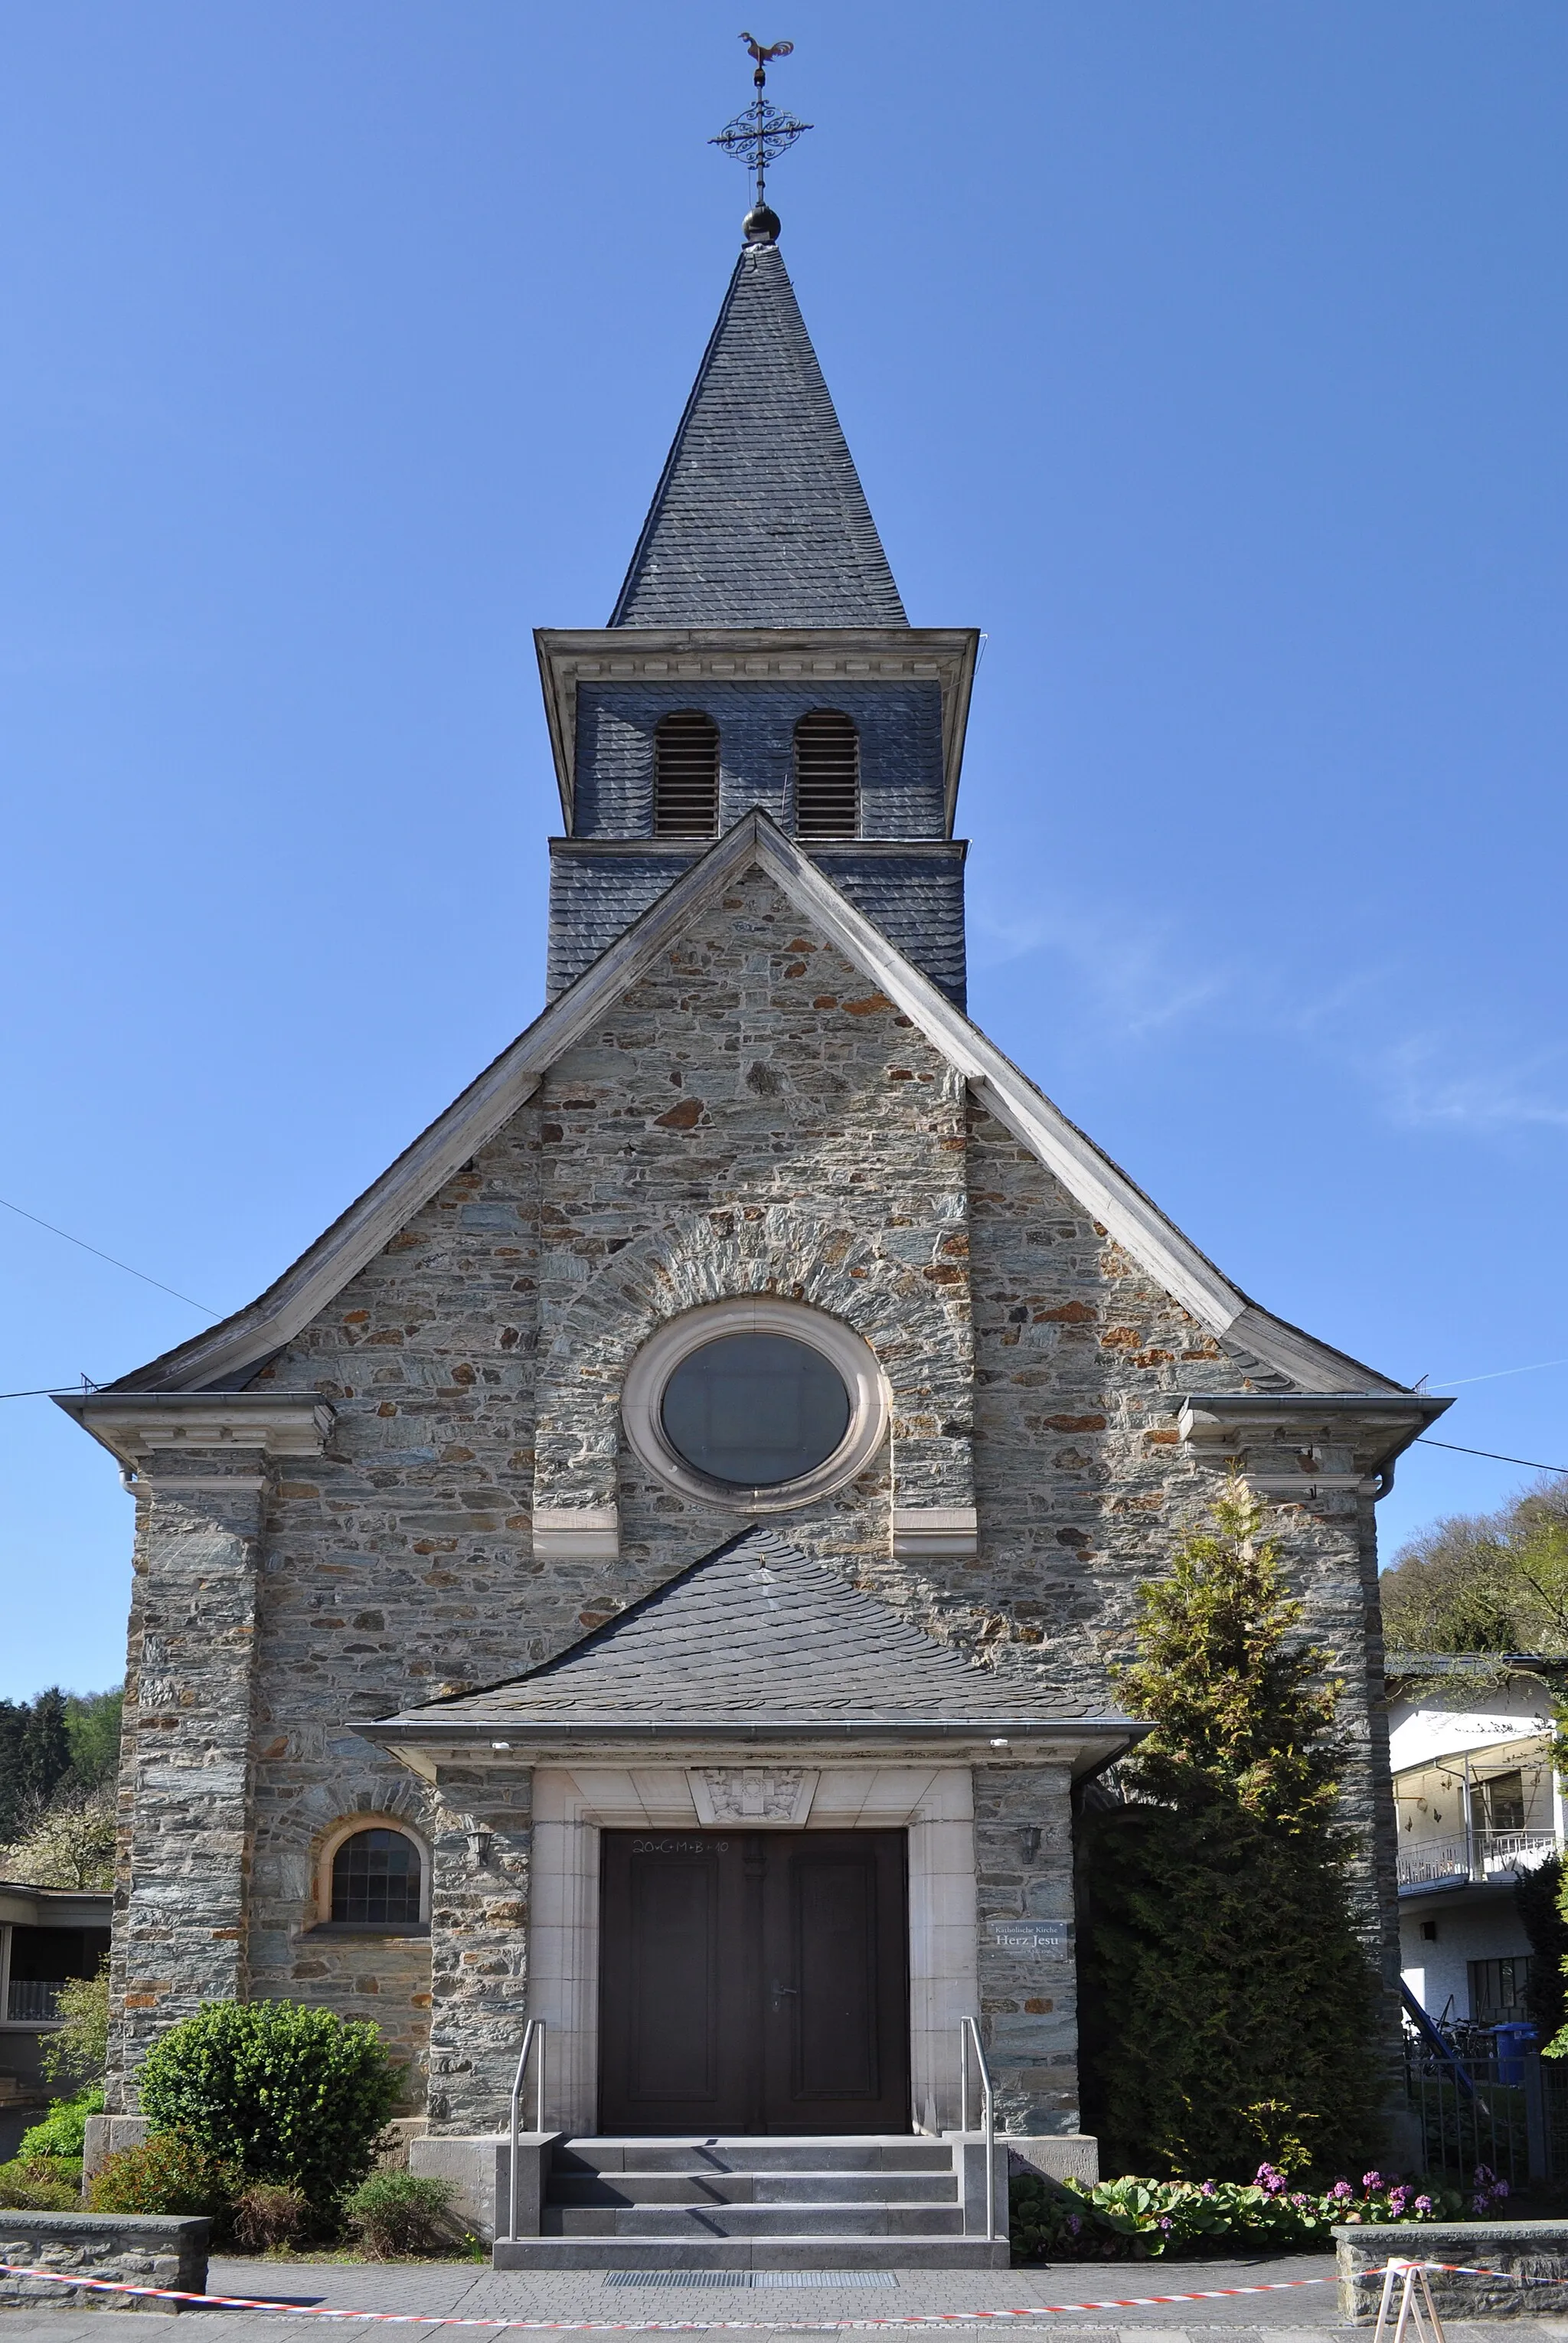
(225, 1356)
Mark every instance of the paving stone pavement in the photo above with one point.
(1308, 2314)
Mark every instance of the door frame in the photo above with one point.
(572, 1804)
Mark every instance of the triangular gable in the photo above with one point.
(226, 1354)
(760, 518)
(753, 1634)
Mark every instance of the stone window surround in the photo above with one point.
(340, 1832)
(870, 1399)
(573, 1803)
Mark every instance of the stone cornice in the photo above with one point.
(570, 656)
(134, 1426)
(1368, 1430)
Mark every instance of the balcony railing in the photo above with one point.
(32, 1999)
(1485, 1855)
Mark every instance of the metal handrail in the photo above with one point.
(533, 2031)
(968, 2037)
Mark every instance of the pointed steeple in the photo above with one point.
(760, 518)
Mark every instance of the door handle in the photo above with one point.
(780, 1990)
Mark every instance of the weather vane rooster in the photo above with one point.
(760, 135)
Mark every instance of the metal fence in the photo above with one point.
(31, 1999)
(1483, 1854)
(1502, 2106)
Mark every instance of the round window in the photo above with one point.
(755, 1402)
(755, 1410)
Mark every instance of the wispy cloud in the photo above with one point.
(1429, 1089)
(1139, 978)
(1139, 974)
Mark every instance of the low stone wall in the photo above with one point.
(476, 2168)
(1534, 2252)
(1056, 2155)
(107, 2134)
(138, 2248)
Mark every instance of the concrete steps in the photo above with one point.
(753, 2203)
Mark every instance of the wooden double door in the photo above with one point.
(754, 1982)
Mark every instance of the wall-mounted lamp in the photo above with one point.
(479, 1842)
(1031, 1838)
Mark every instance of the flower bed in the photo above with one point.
(1135, 2220)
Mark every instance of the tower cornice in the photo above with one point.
(611, 655)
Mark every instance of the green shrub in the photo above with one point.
(268, 2213)
(167, 2174)
(63, 2130)
(401, 2213)
(40, 2184)
(1138, 2220)
(285, 2092)
(79, 2050)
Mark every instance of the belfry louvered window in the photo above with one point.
(827, 776)
(686, 775)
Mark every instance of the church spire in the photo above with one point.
(760, 518)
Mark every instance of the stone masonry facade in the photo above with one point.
(750, 1115)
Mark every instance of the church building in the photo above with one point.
(654, 1565)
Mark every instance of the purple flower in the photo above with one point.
(1341, 2189)
(1499, 2188)
(1165, 2224)
(1374, 2179)
(1073, 2224)
(1424, 2204)
(1207, 2189)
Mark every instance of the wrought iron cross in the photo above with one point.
(760, 135)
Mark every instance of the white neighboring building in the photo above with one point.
(1477, 1802)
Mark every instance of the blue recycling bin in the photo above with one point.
(1511, 2042)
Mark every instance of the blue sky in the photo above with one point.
(1209, 357)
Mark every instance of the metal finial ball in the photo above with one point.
(761, 225)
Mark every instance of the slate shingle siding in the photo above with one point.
(760, 518)
(917, 899)
(595, 897)
(899, 725)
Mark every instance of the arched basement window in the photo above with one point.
(827, 776)
(686, 775)
(376, 1880)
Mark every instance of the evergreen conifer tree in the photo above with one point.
(1230, 2008)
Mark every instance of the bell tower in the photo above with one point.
(759, 654)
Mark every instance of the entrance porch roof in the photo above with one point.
(756, 1643)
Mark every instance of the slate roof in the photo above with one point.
(760, 518)
(754, 1633)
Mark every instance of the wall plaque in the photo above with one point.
(1030, 1936)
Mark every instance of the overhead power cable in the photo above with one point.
(114, 1263)
(1530, 1463)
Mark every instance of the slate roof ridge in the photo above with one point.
(607, 1627)
(760, 517)
(216, 1357)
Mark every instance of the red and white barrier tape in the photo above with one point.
(910, 2318)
